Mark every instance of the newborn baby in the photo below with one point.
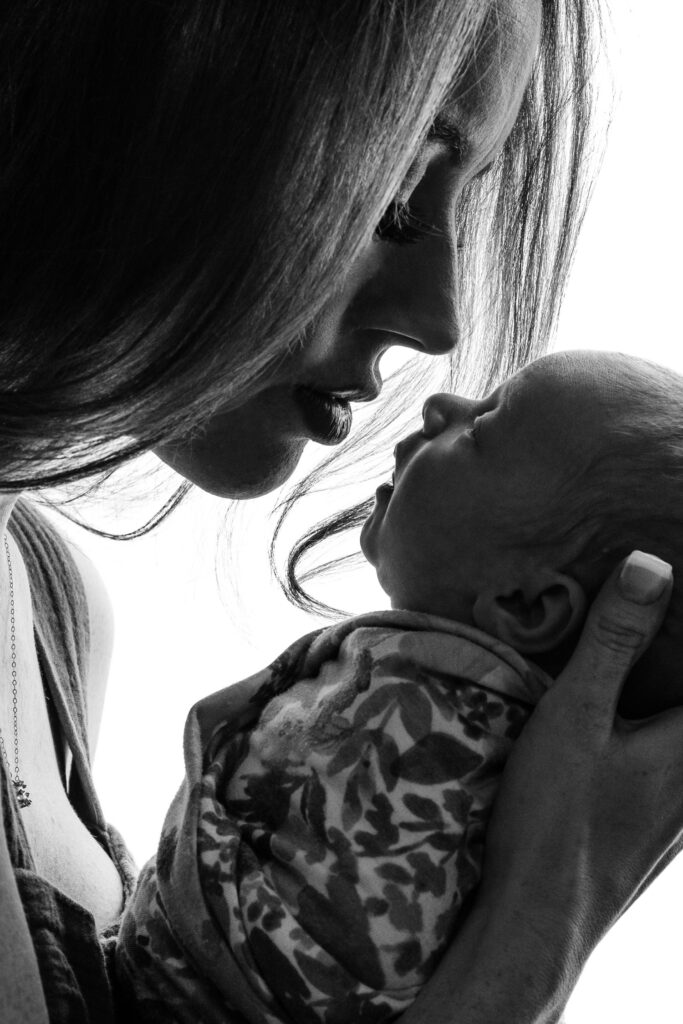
(330, 827)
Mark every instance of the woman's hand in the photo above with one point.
(590, 807)
(589, 811)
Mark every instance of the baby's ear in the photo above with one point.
(535, 617)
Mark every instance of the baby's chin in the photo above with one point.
(363, 542)
(370, 531)
(369, 545)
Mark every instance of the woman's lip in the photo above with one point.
(326, 416)
(366, 393)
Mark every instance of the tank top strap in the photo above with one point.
(62, 635)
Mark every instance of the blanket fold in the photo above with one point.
(330, 826)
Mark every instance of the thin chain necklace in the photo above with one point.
(23, 795)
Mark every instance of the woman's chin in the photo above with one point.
(234, 474)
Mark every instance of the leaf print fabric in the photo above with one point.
(330, 826)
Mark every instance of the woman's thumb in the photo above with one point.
(622, 622)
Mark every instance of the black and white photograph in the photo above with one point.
(341, 512)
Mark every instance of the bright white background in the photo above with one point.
(178, 639)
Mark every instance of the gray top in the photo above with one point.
(73, 959)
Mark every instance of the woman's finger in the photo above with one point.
(667, 857)
(621, 624)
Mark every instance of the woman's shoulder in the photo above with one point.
(101, 620)
(77, 593)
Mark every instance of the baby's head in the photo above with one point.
(508, 513)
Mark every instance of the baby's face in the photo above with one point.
(445, 531)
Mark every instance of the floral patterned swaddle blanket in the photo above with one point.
(330, 826)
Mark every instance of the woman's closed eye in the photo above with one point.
(402, 224)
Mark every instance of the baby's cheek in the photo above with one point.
(424, 575)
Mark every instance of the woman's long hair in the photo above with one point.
(518, 227)
(181, 182)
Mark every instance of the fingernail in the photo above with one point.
(643, 578)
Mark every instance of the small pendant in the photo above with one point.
(23, 795)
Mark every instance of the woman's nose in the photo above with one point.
(444, 410)
(425, 284)
(409, 289)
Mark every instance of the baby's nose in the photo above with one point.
(443, 410)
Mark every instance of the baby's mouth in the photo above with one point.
(404, 450)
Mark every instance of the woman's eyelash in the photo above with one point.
(402, 224)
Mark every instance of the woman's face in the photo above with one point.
(393, 294)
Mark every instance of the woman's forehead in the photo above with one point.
(486, 95)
